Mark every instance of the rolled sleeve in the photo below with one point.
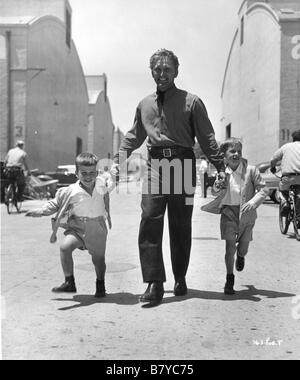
(133, 139)
(205, 134)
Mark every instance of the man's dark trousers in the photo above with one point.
(155, 201)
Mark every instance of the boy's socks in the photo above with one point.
(100, 289)
(228, 289)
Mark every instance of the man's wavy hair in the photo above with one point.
(163, 53)
(86, 159)
(229, 143)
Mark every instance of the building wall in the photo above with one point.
(290, 80)
(103, 128)
(57, 103)
(3, 96)
(251, 92)
(18, 84)
(37, 8)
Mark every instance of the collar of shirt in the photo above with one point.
(166, 94)
(238, 171)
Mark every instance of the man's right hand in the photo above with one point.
(115, 170)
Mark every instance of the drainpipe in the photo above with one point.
(9, 90)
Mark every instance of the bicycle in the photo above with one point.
(290, 212)
(11, 194)
(11, 198)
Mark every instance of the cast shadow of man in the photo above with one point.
(249, 294)
(86, 300)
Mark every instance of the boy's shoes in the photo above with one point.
(180, 288)
(67, 287)
(100, 289)
(239, 263)
(228, 289)
(154, 293)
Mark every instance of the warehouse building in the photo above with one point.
(261, 87)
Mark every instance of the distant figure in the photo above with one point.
(203, 168)
(15, 163)
(237, 200)
(83, 204)
(170, 119)
(289, 155)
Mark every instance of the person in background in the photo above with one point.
(15, 165)
(289, 155)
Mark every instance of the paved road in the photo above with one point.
(260, 322)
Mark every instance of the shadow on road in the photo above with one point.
(85, 300)
(127, 299)
(249, 294)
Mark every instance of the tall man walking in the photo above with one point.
(171, 119)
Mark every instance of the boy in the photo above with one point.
(238, 198)
(83, 204)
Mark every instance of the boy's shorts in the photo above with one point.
(91, 232)
(232, 228)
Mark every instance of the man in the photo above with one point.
(15, 162)
(289, 155)
(170, 119)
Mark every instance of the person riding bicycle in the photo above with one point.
(15, 162)
(289, 155)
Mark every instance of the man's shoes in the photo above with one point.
(180, 288)
(67, 287)
(154, 293)
(239, 263)
(228, 289)
(100, 289)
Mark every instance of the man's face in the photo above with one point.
(164, 73)
(87, 175)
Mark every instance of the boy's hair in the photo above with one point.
(86, 159)
(231, 142)
(296, 135)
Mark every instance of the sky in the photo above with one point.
(117, 37)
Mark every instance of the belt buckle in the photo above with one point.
(167, 153)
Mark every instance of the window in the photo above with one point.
(242, 31)
(228, 131)
(78, 146)
(68, 28)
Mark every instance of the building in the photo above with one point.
(44, 95)
(118, 138)
(100, 128)
(260, 92)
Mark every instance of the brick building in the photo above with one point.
(261, 87)
(44, 97)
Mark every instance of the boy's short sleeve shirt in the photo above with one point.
(83, 204)
(233, 194)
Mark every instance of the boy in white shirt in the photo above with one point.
(83, 204)
(237, 200)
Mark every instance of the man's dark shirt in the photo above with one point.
(177, 117)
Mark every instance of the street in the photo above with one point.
(262, 321)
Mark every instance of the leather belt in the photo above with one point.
(167, 152)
